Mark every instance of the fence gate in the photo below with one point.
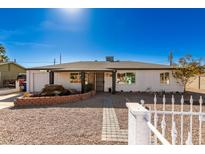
(165, 126)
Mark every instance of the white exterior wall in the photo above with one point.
(36, 80)
(145, 79)
(63, 78)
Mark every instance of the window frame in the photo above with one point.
(77, 80)
(126, 83)
(164, 80)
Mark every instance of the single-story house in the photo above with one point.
(10, 71)
(104, 76)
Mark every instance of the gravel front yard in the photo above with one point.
(75, 123)
(81, 122)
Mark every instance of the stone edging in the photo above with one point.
(52, 100)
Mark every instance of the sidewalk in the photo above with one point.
(8, 100)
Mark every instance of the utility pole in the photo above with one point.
(60, 58)
(54, 61)
(170, 58)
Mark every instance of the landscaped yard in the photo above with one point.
(74, 123)
(78, 123)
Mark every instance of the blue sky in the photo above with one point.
(36, 36)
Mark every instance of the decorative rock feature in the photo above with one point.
(54, 90)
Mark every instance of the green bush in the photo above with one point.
(88, 87)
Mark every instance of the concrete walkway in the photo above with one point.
(111, 130)
(8, 100)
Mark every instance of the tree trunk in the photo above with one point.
(184, 89)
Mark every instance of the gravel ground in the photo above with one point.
(75, 123)
(81, 122)
(122, 112)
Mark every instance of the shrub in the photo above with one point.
(88, 87)
(27, 94)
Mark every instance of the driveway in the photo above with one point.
(8, 100)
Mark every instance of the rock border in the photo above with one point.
(52, 100)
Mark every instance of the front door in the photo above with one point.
(100, 81)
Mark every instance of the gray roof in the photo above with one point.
(102, 65)
(6, 63)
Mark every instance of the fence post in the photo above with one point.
(17, 85)
(138, 130)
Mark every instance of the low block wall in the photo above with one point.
(52, 100)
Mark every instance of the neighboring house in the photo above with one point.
(10, 71)
(198, 83)
(105, 76)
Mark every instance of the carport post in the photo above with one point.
(51, 77)
(82, 82)
(114, 82)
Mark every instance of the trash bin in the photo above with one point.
(110, 90)
(24, 86)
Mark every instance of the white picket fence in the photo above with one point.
(139, 116)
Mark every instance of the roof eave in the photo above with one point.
(144, 68)
(109, 69)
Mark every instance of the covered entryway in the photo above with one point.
(100, 81)
(90, 79)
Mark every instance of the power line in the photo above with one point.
(32, 62)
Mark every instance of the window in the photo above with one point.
(87, 77)
(75, 78)
(108, 75)
(125, 78)
(164, 78)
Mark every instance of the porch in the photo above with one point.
(100, 81)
